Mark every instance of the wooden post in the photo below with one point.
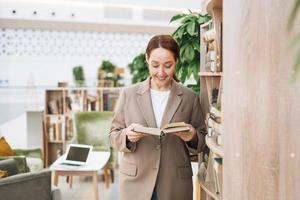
(261, 105)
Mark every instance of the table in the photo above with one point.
(96, 162)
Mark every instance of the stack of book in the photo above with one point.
(214, 120)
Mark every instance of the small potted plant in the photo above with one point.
(78, 75)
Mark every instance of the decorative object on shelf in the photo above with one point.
(139, 68)
(187, 36)
(78, 74)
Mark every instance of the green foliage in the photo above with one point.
(139, 68)
(187, 36)
(78, 75)
(107, 66)
(296, 41)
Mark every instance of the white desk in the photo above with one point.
(96, 162)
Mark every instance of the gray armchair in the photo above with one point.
(26, 186)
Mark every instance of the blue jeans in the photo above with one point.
(154, 195)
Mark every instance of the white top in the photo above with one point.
(95, 162)
(159, 102)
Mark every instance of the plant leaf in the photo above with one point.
(189, 53)
(293, 14)
(177, 17)
(191, 28)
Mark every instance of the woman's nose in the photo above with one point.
(161, 71)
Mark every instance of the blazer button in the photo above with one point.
(157, 147)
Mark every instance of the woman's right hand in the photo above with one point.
(132, 135)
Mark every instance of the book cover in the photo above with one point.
(169, 128)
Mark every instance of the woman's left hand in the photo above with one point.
(187, 135)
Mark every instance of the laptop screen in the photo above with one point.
(78, 154)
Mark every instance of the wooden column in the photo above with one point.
(261, 106)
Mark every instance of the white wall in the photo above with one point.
(15, 131)
(44, 57)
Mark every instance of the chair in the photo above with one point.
(31, 185)
(28, 160)
(92, 128)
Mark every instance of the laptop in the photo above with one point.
(77, 155)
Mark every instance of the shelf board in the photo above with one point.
(210, 73)
(213, 146)
(209, 188)
(56, 141)
(55, 115)
(210, 4)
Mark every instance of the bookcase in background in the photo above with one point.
(210, 177)
(60, 104)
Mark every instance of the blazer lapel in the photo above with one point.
(145, 104)
(174, 101)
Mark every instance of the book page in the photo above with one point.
(147, 130)
(175, 124)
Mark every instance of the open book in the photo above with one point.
(168, 128)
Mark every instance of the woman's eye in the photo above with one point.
(155, 66)
(168, 66)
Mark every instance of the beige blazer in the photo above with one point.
(153, 161)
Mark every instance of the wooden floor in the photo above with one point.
(82, 189)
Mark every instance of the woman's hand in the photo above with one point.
(133, 136)
(187, 135)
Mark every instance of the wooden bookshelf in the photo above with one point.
(211, 79)
(60, 105)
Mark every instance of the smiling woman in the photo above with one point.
(162, 56)
(152, 164)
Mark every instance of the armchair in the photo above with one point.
(31, 185)
(92, 128)
(27, 159)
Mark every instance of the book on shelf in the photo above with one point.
(210, 56)
(209, 35)
(53, 107)
(211, 46)
(168, 128)
(215, 114)
(219, 139)
(218, 173)
(210, 66)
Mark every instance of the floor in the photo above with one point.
(82, 189)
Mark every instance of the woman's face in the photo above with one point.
(161, 67)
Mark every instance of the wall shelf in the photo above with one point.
(209, 188)
(210, 73)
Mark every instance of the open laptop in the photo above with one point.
(77, 154)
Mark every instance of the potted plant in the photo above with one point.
(106, 71)
(187, 36)
(78, 75)
(139, 68)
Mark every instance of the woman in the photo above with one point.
(157, 167)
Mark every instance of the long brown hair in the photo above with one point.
(166, 42)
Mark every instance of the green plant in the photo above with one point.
(107, 66)
(187, 36)
(139, 68)
(78, 74)
(296, 40)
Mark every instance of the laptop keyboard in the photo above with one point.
(69, 164)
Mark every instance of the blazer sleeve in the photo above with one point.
(198, 122)
(117, 136)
